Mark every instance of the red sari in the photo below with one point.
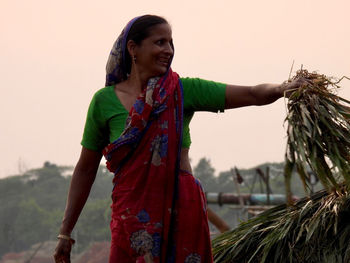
(158, 211)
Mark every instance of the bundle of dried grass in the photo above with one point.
(318, 133)
(315, 229)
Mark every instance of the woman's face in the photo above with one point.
(154, 54)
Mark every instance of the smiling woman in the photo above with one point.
(153, 56)
(149, 43)
(140, 122)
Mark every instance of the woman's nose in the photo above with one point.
(169, 49)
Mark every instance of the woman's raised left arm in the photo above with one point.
(262, 94)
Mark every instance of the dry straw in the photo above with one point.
(316, 228)
(318, 133)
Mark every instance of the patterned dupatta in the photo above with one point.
(145, 160)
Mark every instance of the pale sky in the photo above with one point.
(53, 56)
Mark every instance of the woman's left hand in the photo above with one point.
(288, 87)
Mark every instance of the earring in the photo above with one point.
(134, 59)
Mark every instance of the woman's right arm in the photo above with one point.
(83, 177)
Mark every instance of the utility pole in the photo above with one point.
(237, 179)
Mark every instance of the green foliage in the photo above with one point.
(205, 173)
(32, 207)
(30, 223)
(93, 223)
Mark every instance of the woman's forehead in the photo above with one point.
(163, 30)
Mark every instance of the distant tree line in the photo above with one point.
(32, 207)
(32, 204)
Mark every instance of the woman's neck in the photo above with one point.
(135, 82)
(138, 79)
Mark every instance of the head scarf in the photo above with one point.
(116, 66)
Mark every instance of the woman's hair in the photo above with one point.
(139, 31)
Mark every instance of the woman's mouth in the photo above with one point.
(164, 62)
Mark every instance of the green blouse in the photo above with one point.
(106, 116)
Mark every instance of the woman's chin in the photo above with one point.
(161, 71)
(158, 71)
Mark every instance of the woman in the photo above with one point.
(159, 210)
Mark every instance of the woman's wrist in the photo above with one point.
(64, 230)
(277, 91)
(66, 237)
(283, 88)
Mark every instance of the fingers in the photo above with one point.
(62, 258)
(62, 252)
(288, 87)
(304, 81)
(297, 83)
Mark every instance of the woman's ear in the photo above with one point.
(131, 46)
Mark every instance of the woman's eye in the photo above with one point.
(159, 42)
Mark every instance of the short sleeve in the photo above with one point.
(95, 136)
(203, 95)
